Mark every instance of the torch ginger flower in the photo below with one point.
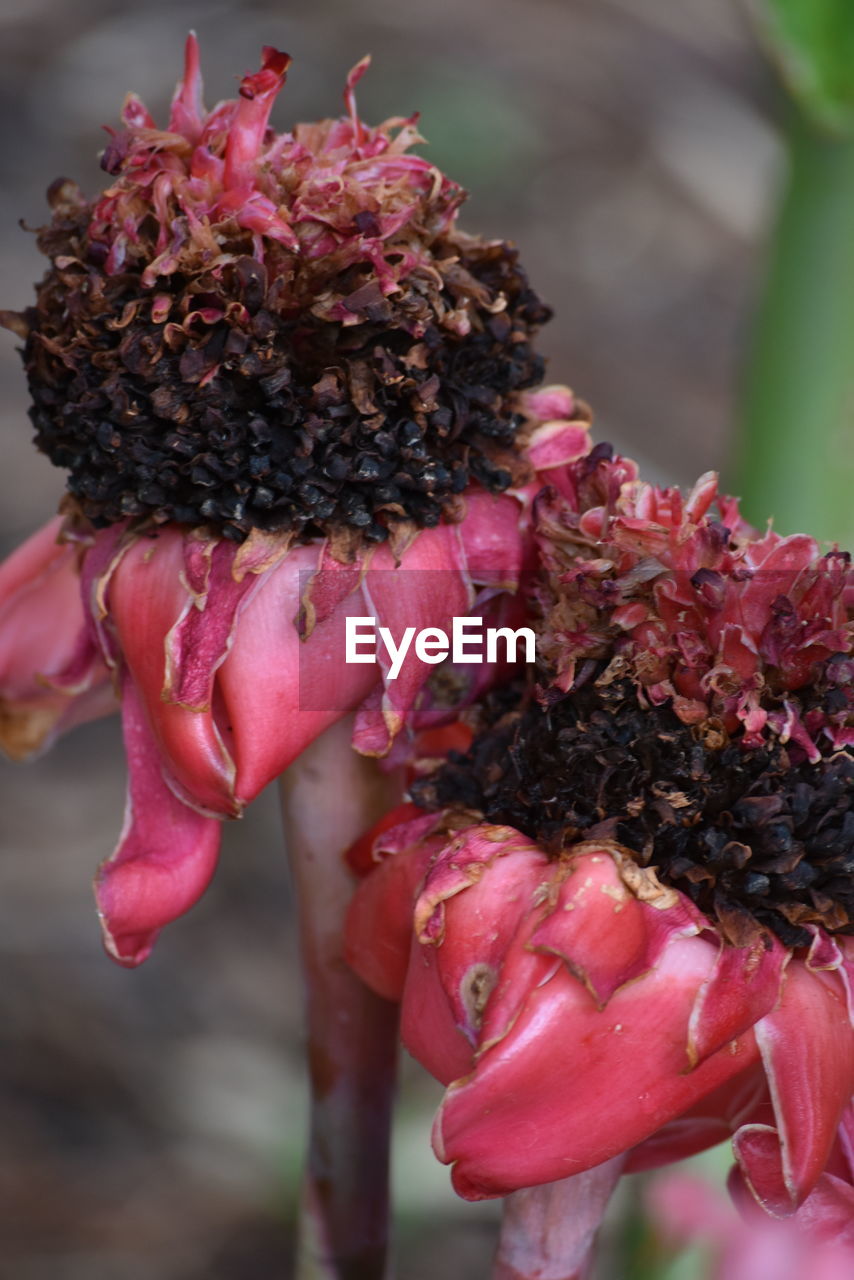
(627, 929)
(286, 389)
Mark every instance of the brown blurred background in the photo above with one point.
(151, 1122)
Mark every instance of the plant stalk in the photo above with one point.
(549, 1232)
(795, 456)
(331, 795)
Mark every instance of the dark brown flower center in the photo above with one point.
(212, 398)
(751, 836)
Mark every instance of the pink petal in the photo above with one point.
(51, 676)
(166, 855)
(807, 1048)
(711, 1120)
(246, 135)
(428, 1027)
(603, 932)
(222, 580)
(742, 988)
(279, 692)
(428, 589)
(550, 402)
(379, 930)
(475, 893)
(571, 1085)
(493, 541)
(554, 444)
(187, 110)
(148, 595)
(828, 1213)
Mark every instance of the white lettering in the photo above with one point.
(463, 636)
(355, 637)
(431, 645)
(511, 641)
(396, 652)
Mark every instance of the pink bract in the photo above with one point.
(229, 661)
(339, 188)
(51, 674)
(576, 1009)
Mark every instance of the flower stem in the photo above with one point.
(795, 458)
(548, 1232)
(330, 795)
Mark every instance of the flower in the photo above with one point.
(250, 330)
(632, 918)
(687, 1209)
(287, 389)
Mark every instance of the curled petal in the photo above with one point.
(554, 444)
(257, 95)
(490, 535)
(149, 594)
(51, 675)
(379, 923)
(742, 988)
(468, 909)
(428, 589)
(532, 1111)
(807, 1049)
(221, 582)
(428, 1026)
(548, 403)
(602, 930)
(279, 691)
(710, 1121)
(166, 853)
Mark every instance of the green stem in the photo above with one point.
(330, 796)
(796, 458)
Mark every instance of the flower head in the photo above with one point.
(250, 330)
(287, 389)
(632, 912)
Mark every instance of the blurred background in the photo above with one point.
(152, 1121)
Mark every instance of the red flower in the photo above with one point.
(633, 914)
(229, 660)
(287, 389)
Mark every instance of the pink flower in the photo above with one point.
(628, 927)
(287, 390)
(688, 1210)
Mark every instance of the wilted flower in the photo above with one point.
(633, 910)
(287, 389)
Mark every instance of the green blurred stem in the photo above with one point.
(331, 795)
(796, 458)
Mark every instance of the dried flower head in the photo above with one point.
(275, 331)
(697, 703)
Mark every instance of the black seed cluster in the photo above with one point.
(751, 837)
(219, 397)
